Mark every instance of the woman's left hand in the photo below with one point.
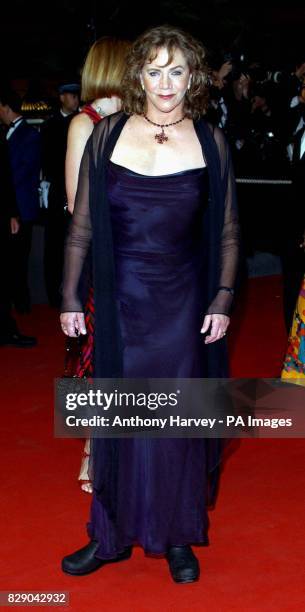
(219, 325)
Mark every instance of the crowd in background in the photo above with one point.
(260, 111)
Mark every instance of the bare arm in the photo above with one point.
(80, 129)
(76, 249)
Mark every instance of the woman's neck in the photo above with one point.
(162, 117)
(107, 106)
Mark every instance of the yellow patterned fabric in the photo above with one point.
(294, 364)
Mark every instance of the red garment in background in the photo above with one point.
(84, 363)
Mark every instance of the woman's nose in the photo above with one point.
(165, 81)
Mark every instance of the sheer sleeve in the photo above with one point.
(78, 240)
(80, 231)
(230, 237)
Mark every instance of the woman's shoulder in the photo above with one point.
(109, 121)
(104, 128)
(216, 131)
(213, 131)
(91, 112)
(81, 125)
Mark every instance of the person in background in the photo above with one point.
(294, 362)
(293, 263)
(217, 112)
(9, 226)
(292, 253)
(267, 133)
(101, 91)
(24, 149)
(295, 91)
(54, 134)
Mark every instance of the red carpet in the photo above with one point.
(256, 557)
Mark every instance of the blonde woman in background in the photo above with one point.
(101, 91)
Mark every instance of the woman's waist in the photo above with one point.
(184, 254)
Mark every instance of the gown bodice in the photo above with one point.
(155, 214)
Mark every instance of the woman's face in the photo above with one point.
(165, 86)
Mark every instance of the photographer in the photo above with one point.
(266, 131)
(217, 112)
(237, 126)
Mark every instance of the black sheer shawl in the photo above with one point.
(91, 225)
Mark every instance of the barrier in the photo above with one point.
(261, 181)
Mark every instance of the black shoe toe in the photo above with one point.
(84, 561)
(183, 564)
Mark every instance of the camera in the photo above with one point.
(238, 65)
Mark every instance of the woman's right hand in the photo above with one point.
(73, 323)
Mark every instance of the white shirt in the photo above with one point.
(293, 103)
(16, 123)
(302, 147)
(291, 147)
(67, 114)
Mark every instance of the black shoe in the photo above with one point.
(22, 307)
(18, 340)
(83, 561)
(183, 565)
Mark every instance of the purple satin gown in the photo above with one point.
(162, 483)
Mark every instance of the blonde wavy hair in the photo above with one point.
(145, 49)
(104, 68)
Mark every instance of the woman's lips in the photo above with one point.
(166, 97)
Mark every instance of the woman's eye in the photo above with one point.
(153, 73)
(176, 73)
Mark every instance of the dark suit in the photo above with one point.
(293, 258)
(25, 160)
(54, 139)
(8, 209)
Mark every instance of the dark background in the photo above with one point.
(50, 39)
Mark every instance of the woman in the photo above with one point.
(101, 91)
(163, 225)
